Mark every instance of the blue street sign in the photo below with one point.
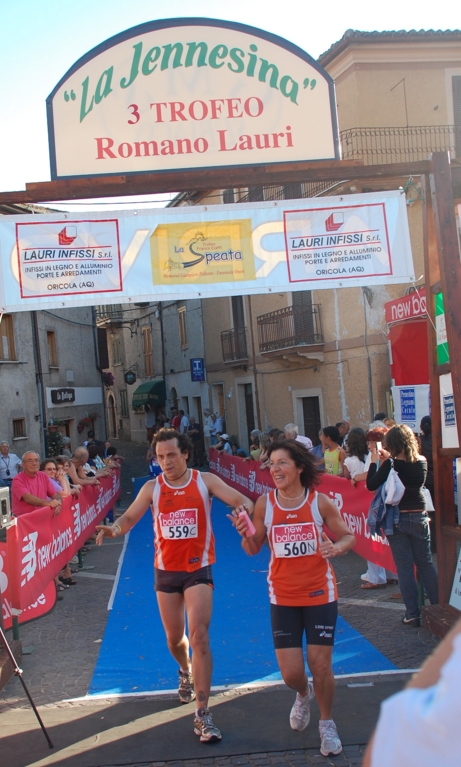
(197, 369)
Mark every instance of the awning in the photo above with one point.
(150, 393)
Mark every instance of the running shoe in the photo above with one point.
(186, 690)
(300, 714)
(203, 726)
(330, 744)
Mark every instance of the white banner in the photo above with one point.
(176, 253)
(190, 93)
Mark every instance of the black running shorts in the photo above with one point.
(290, 623)
(174, 581)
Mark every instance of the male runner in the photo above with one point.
(184, 553)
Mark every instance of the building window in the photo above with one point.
(52, 353)
(228, 196)
(116, 352)
(19, 428)
(182, 327)
(124, 403)
(147, 350)
(7, 350)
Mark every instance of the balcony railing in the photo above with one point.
(109, 314)
(290, 327)
(234, 345)
(375, 146)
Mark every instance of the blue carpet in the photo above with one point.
(134, 657)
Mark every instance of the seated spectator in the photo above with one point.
(332, 454)
(32, 488)
(292, 432)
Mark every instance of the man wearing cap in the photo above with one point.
(224, 446)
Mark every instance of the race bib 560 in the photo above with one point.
(298, 540)
(178, 525)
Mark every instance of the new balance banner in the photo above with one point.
(41, 544)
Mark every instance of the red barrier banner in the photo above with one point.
(42, 605)
(352, 501)
(41, 544)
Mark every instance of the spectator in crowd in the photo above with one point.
(264, 442)
(32, 488)
(380, 416)
(238, 451)
(113, 460)
(417, 726)
(184, 422)
(193, 432)
(93, 441)
(94, 460)
(9, 463)
(409, 539)
(66, 447)
(224, 445)
(343, 428)
(389, 422)
(149, 417)
(332, 454)
(275, 435)
(151, 458)
(76, 473)
(292, 432)
(255, 436)
(175, 419)
(425, 448)
(57, 475)
(207, 422)
(64, 462)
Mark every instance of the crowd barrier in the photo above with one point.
(39, 544)
(352, 501)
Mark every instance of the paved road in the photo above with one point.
(67, 641)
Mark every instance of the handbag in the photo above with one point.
(394, 487)
(428, 497)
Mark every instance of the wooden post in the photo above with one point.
(443, 273)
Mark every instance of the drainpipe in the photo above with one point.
(98, 367)
(39, 380)
(254, 369)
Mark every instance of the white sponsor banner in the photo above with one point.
(204, 251)
(189, 93)
(448, 414)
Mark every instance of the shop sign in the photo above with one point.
(207, 251)
(190, 93)
(406, 307)
(62, 396)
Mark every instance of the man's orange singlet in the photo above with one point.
(184, 539)
(298, 574)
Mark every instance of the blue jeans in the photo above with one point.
(411, 545)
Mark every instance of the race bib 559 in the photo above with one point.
(178, 525)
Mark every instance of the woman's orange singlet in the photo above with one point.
(298, 574)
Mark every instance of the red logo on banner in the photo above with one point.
(331, 225)
(67, 235)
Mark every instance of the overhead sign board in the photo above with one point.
(134, 256)
(190, 93)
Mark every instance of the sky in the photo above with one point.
(41, 39)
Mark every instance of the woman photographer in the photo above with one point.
(410, 543)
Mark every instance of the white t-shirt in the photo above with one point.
(417, 728)
(356, 466)
(304, 441)
(184, 425)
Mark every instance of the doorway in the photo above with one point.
(311, 418)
